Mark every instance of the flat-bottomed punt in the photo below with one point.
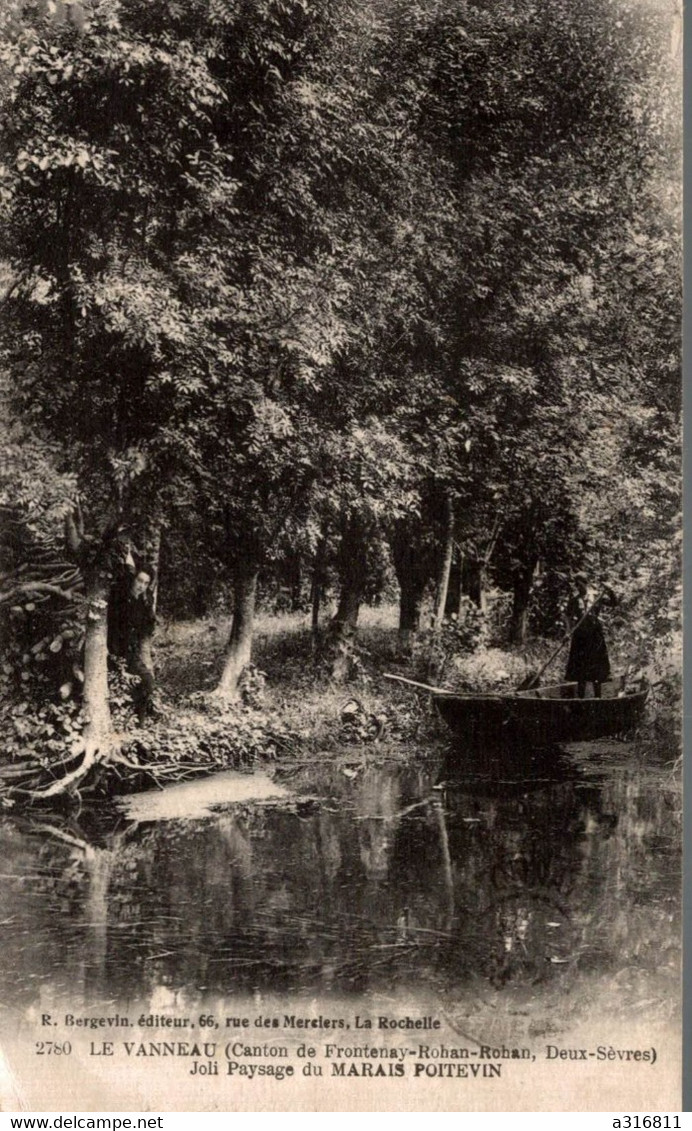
(544, 716)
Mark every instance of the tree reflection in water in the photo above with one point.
(380, 881)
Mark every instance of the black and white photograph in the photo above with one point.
(340, 556)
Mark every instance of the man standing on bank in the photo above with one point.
(131, 622)
(588, 653)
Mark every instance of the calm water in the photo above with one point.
(523, 901)
(360, 875)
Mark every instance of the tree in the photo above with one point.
(111, 165)
(288, 275)
(534, 363)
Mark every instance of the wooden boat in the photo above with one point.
(544, 715)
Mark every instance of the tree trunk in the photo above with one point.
(316, 589)
(350, 600)
(353, 574)
(316, 599)
(461, 595)
(522, 582)
(413, 565)
(296, 583)
(476, 582)
(410, 604)
(239, 650)
(445, 565)
(454, 591)
(98, 736)
(98, 730)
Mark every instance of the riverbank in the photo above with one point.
(291, 680)
(292, 706)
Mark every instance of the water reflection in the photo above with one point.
(367, 877)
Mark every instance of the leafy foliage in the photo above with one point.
(202, 734)
(293, 278)
(460, 635)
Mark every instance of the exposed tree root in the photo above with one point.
(160, 773)
(68, 781)
(117, 759)
(95, 753)
(113, 762)
(225, 696)
(66, 838)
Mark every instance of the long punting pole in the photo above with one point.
(415, 683)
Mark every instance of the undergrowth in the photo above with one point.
(291, 704)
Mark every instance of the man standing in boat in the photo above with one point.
(588, 653)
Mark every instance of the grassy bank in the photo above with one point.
(292, 707)
(293, 690)
(295, 705)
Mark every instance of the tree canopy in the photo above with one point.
(355, 281)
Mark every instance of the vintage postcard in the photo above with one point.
(340, 568)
